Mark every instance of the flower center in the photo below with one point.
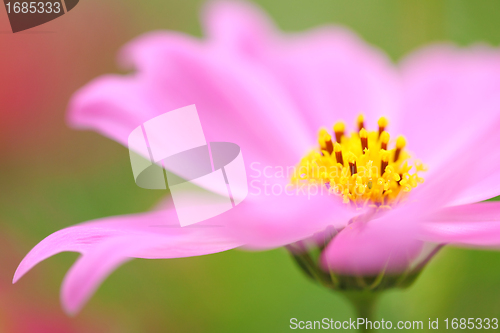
(361, 167)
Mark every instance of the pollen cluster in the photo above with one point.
(364, 167)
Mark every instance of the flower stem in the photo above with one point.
(364, 304)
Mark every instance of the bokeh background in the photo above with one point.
(52, 177)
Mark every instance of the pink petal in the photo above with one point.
(259, 222)
(469, 225)
(479, 176)
(386, 244)
(329, 72)
(448, 96)
(236, 101)
(89, 271)
(107, 243)
(237, 25)
(465, 173)
(269, 221)
(112, 105)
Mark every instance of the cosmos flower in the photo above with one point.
(388, 163)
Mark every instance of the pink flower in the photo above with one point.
(270, 93)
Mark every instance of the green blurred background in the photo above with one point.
(52, 177)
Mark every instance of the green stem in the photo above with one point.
(364, 304)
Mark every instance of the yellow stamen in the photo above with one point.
(352, 164)
(384, 139)
(361, 122)
(322, 135)
(363, 135)
(328, 144)
(339, 129)
(338, 153)
(361, 167)
(382, 124)
(384, 158)
(400, 144)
